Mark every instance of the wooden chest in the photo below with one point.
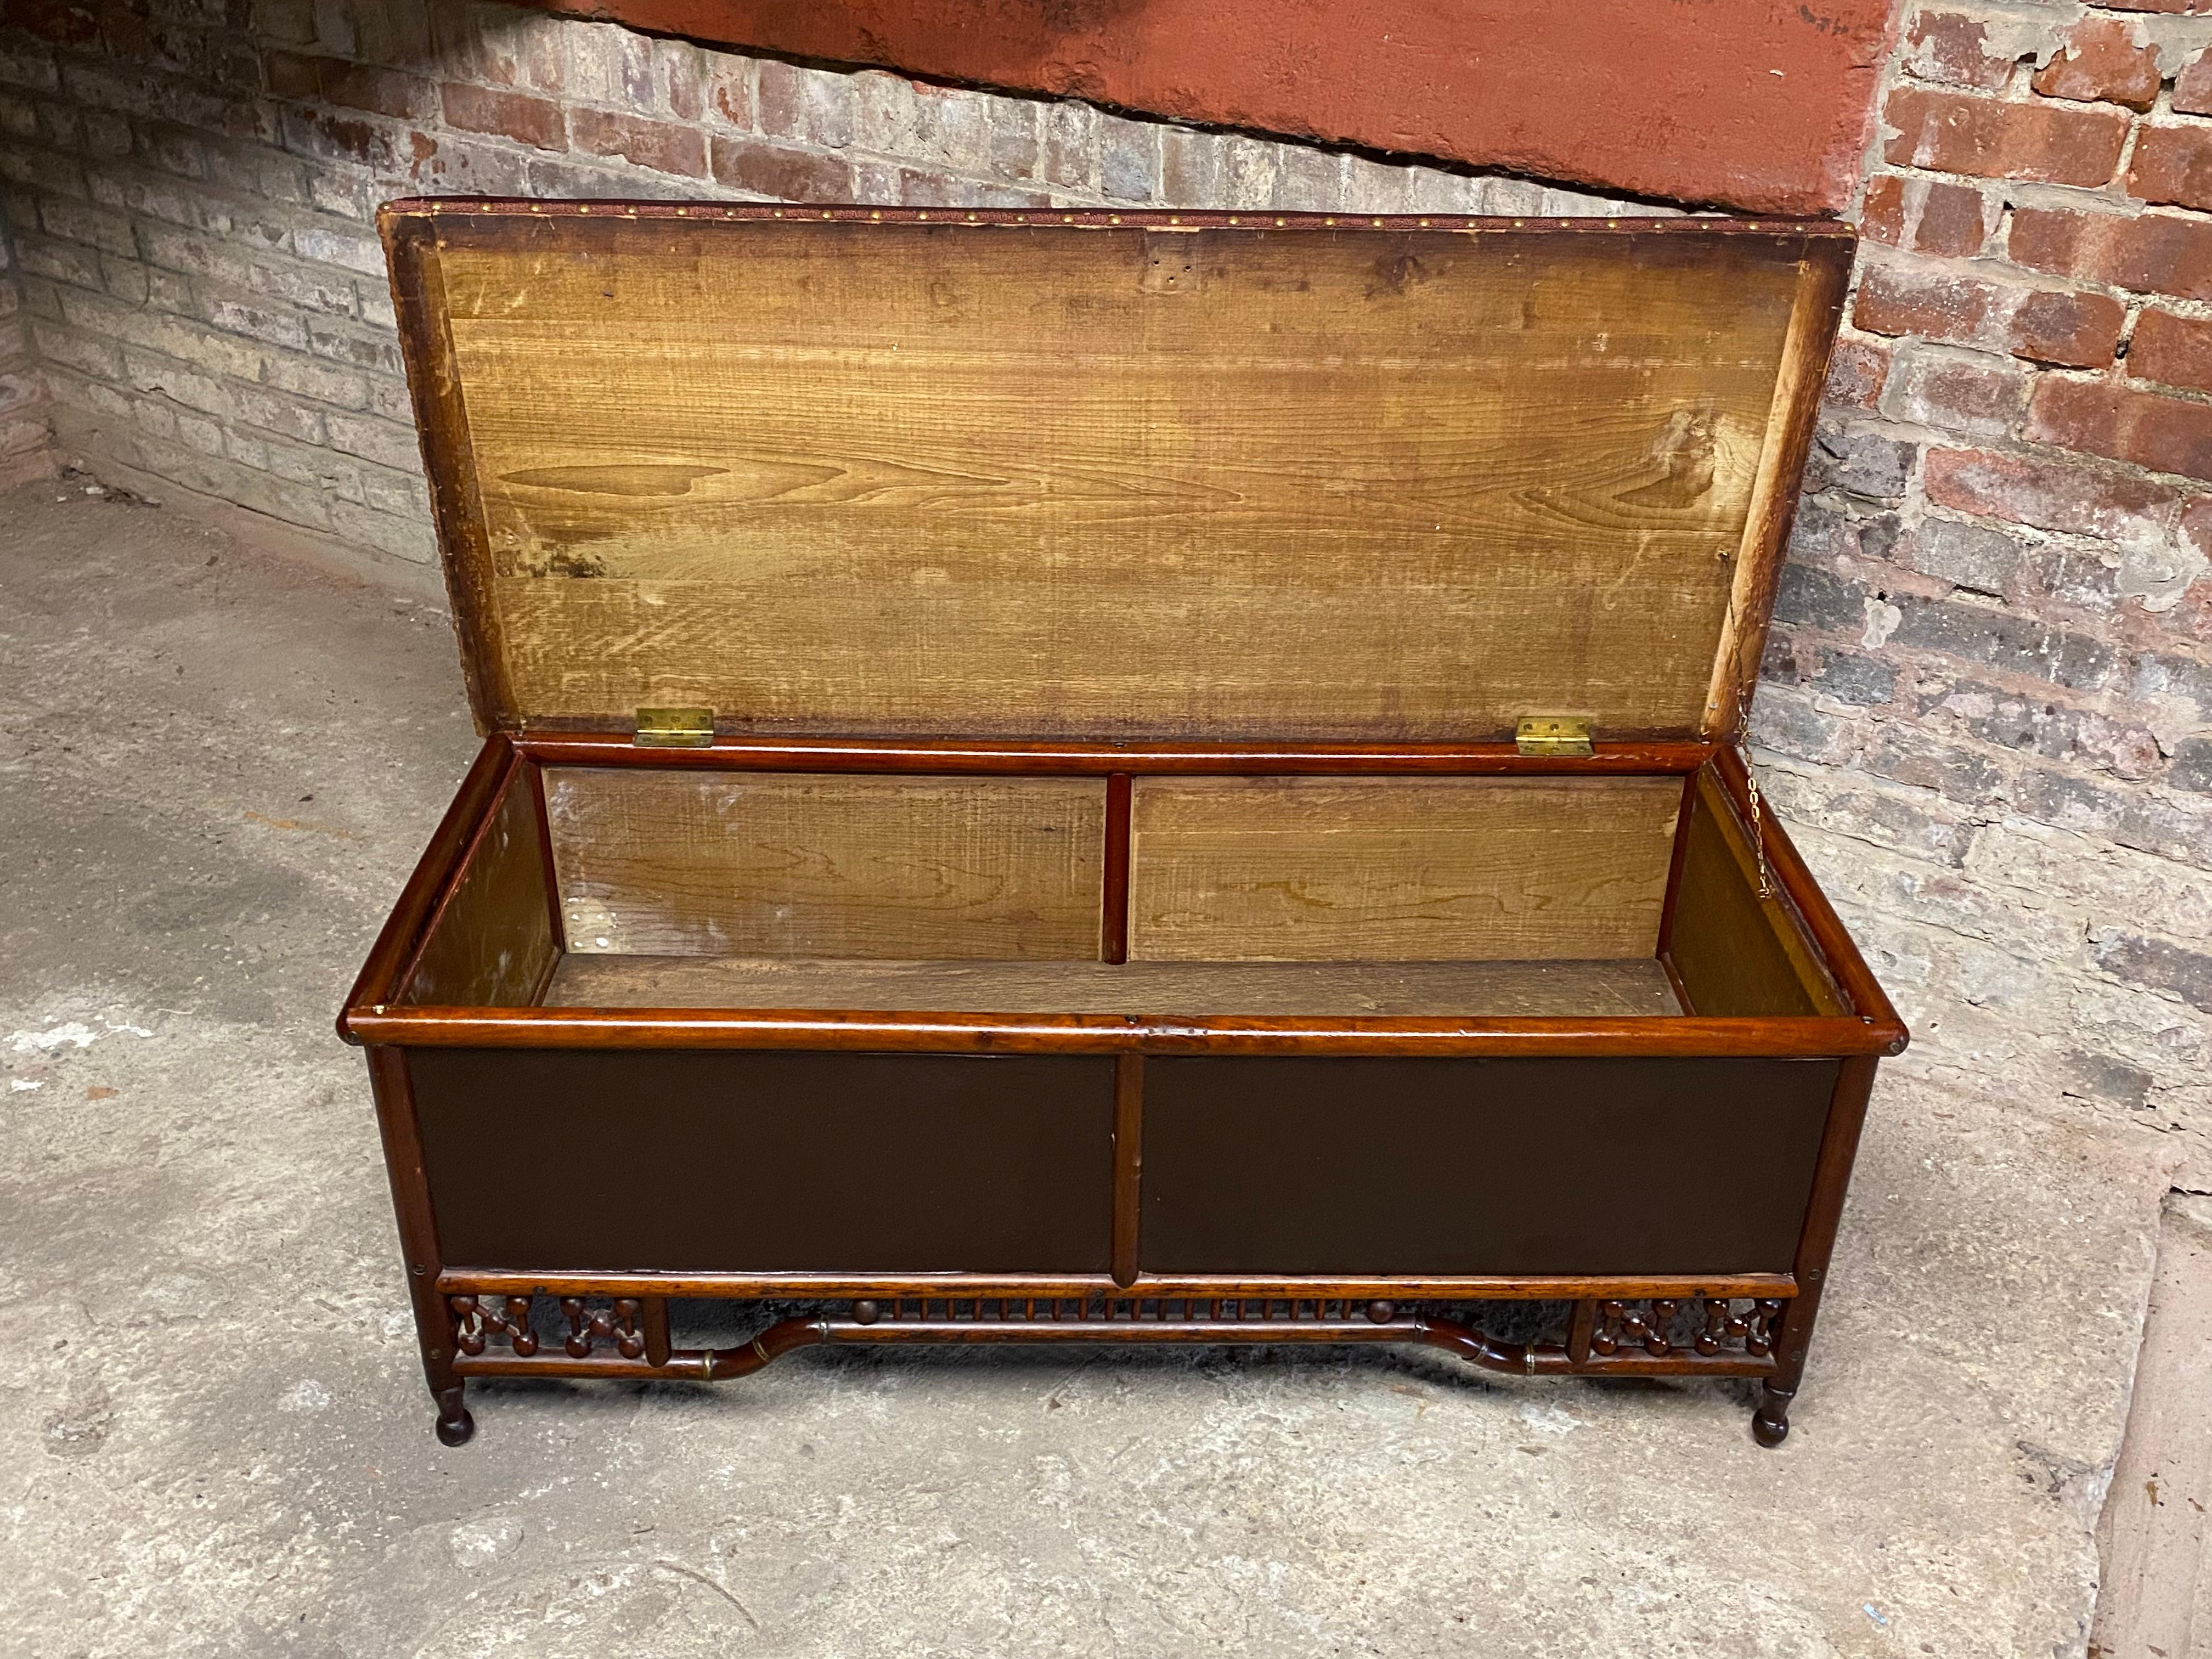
(1141, 777)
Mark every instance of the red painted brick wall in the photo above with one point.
(1761, 105)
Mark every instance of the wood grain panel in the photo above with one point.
(692, 863)
(1399, 869)
(1352, 484)
(1736, 952)
(1318, 989)
(491, 944)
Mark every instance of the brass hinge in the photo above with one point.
(675, 728)
(1553, 734)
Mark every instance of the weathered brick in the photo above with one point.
(304, 377)
(25, 64)
(1856, 370)
(2156, 895)
(1308, 180)
(729, 91)
(1823, 534)
(473, 165)
(1955, 50)
(1247, 173)
(334, 247)
(1928, 215)
(499, 46)
(2192, 766)
(220, 260)
(257, 322)
(340, 138)
(75, 221)
(2173, 165)
(41, 169)
(610, 65)
(89, 355)
(1130, 159)
(1933, 304)
(2154, 254)
(1982, 560)
(382, 441)
(1373, 186)
(681, 71)
(2142, 959)
(533, 121)
(809, 105)
(781, 174)
(1809, 597)
(1998, 638)
(2192, 87)
(380, 31)
(1955, 391)
(2052, 143)
(1863, 463)
(661, 145)
(2105, 59)
(302, 286)
(1067, 147)
(1937, 760)
(357, 348)
(353, 86)
(2171, 350)
(2075, 330)
(2040, 724)
(2163, 434)
(2195, 525)
(63, 261)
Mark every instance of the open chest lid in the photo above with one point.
(862, 472)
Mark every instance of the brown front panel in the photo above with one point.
(738, 1161)
(1479, 1166)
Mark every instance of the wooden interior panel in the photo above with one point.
(1735, 952)
(903, 478)
(492, 945)
(1331, 990)
(1399, 869)
(681, 863)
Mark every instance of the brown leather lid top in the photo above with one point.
(1135, 475)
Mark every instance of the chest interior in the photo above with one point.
(635, 886)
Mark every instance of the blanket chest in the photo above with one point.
(1069, 776)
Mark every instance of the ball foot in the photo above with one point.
(1769, 1423)
(455, 1426)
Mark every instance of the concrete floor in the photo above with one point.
(218, 767)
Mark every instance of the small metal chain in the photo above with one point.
(1751, 785)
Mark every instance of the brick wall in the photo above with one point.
(1989, 698)
(26, 436)
(1988, 705)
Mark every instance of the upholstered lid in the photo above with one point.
(1136, 475)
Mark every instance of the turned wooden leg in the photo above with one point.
(455, 1426)
(1770, 1422)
